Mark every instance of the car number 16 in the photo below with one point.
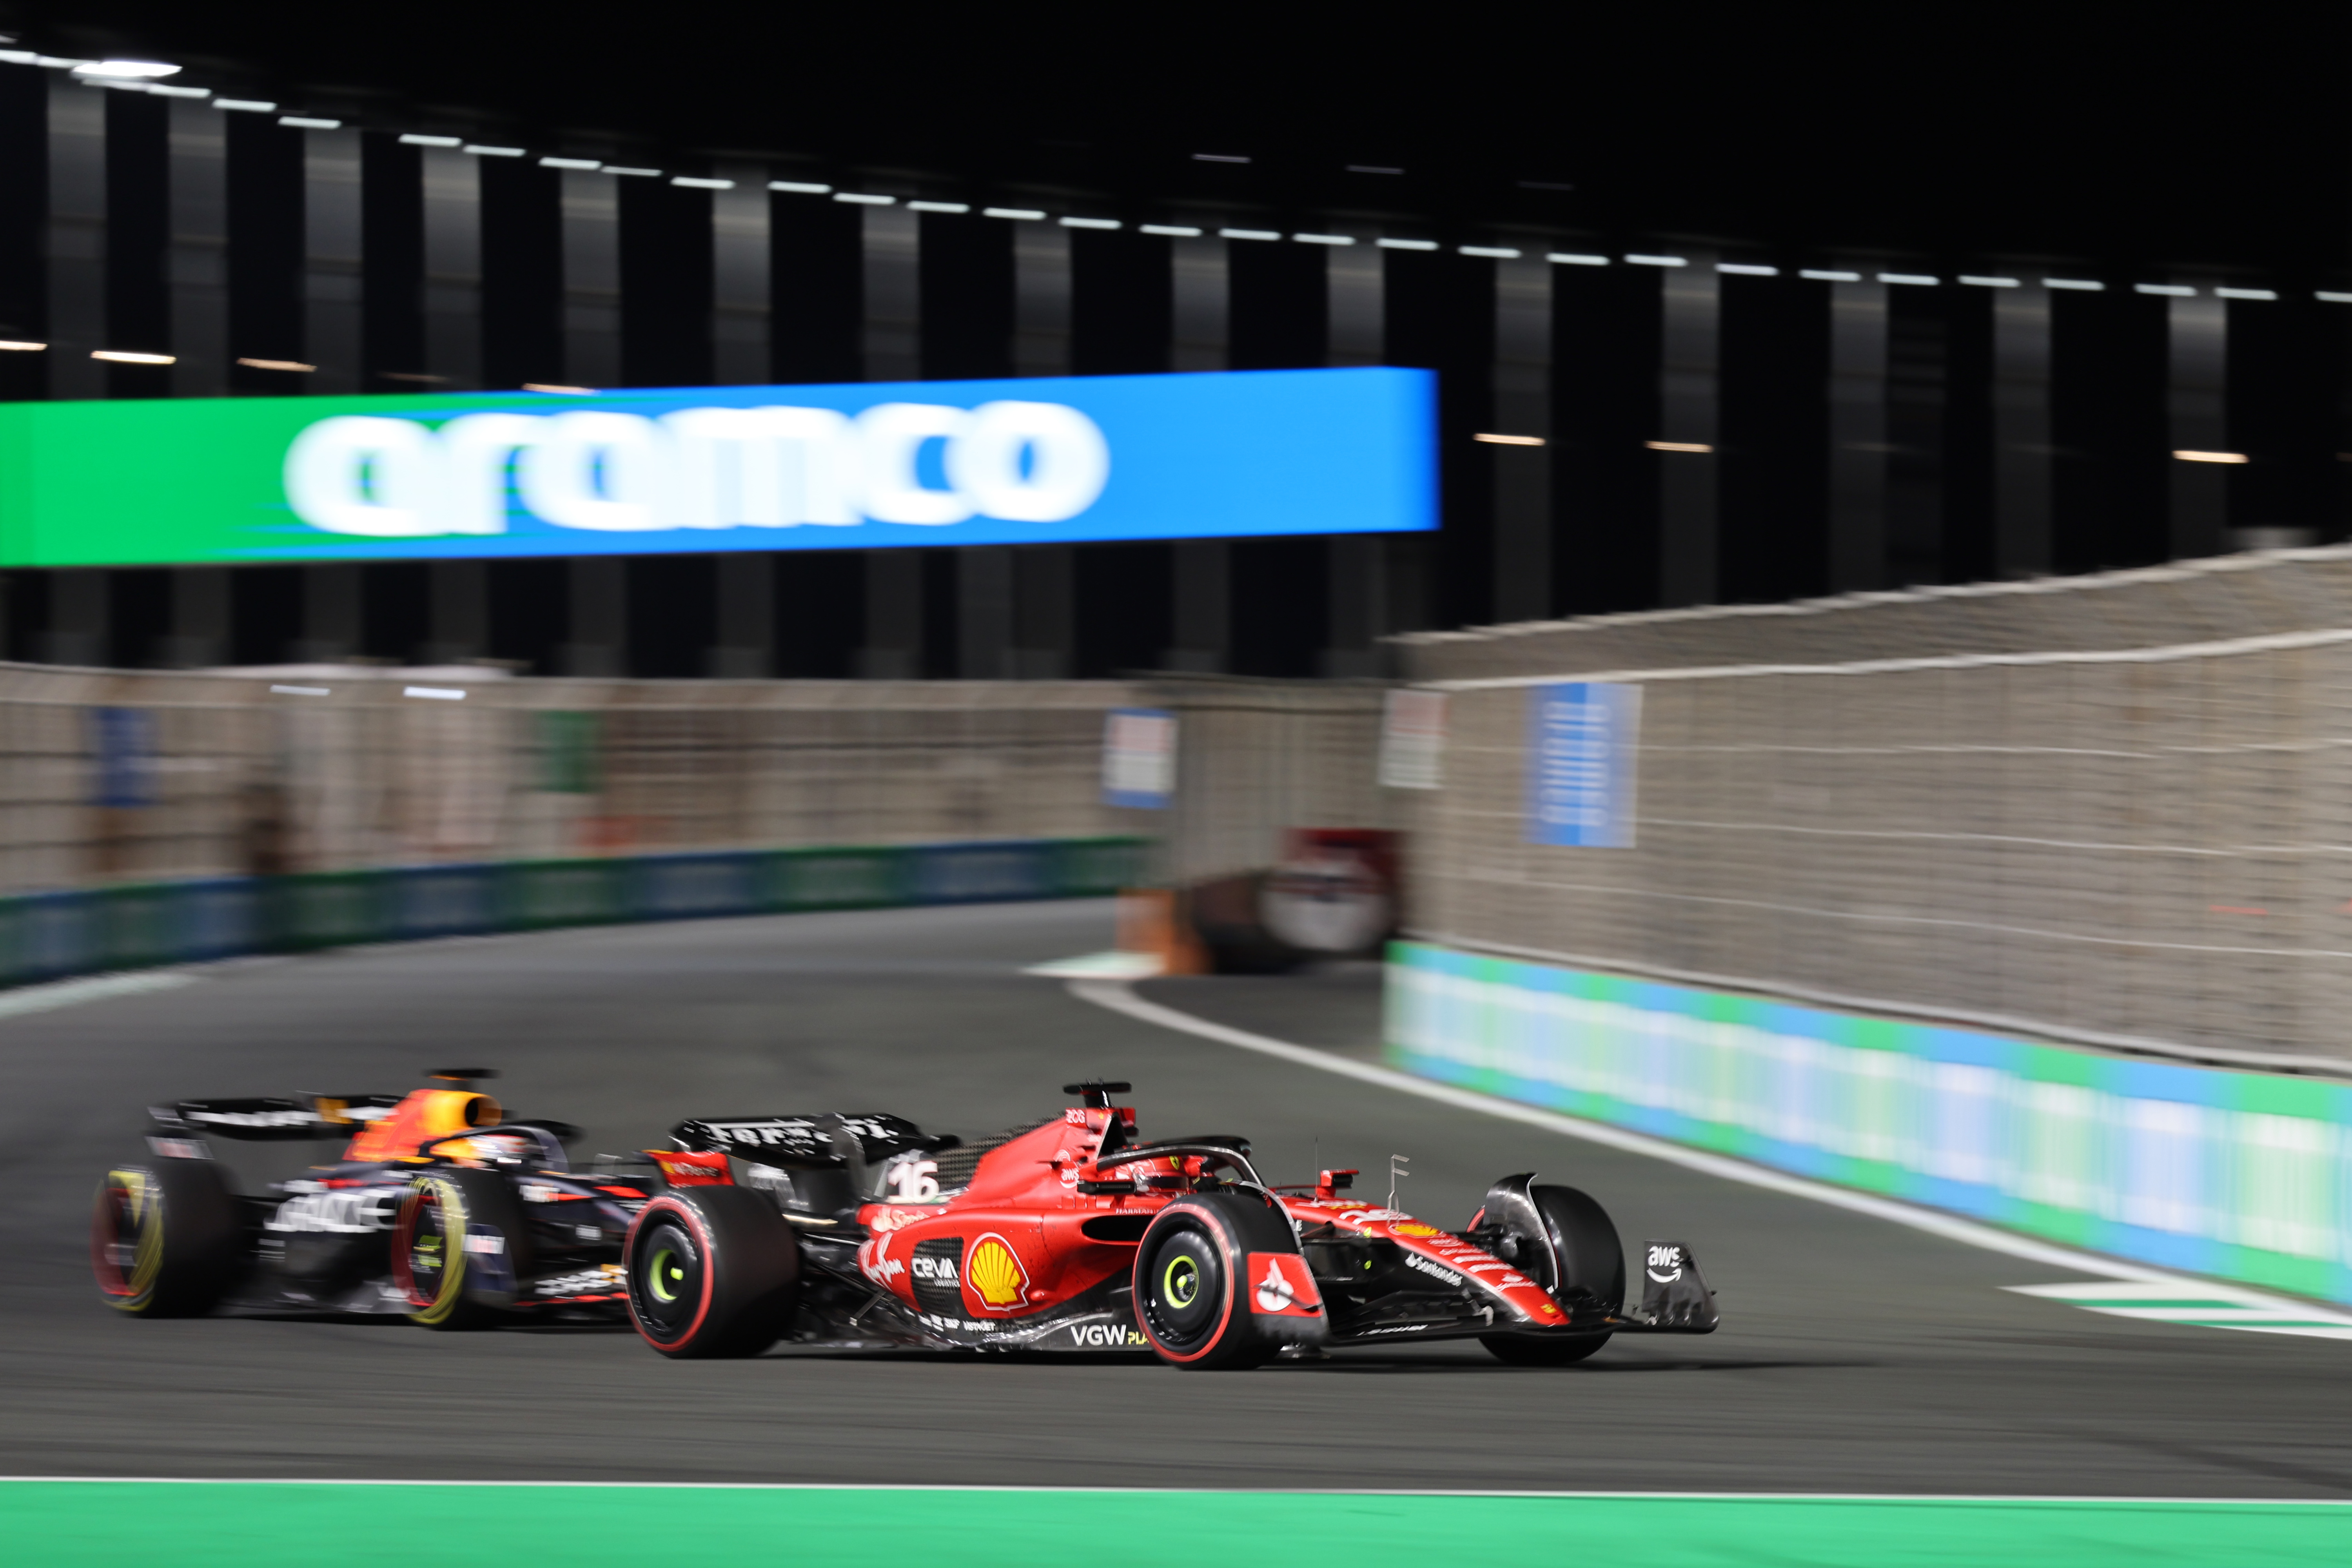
(913, 1181)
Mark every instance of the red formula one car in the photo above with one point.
(1071, 1235)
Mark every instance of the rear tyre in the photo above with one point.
(1192, 1281)
(713, 1271)
(1579, 1254)
(460, 1245)
(166, 1240)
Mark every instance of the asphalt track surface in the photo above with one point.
(1855, 1356)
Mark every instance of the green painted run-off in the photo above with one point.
(260, 1524)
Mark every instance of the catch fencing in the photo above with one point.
(187, 815)
(2115, 810)
(150, 818)
(1258, 757)
(109, 777)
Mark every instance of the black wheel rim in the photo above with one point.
(666, 1279)
(428, 1248)
(1183, 1286)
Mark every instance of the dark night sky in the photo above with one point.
(2132, 135)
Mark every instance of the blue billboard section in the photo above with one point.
(871, 465)
(1583, 738)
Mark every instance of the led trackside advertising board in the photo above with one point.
(632, 472)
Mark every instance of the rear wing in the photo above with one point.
(829, 1141)
(811, 1167)
(275, 1118)
(280, 1118)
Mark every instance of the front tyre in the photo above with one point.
(165, 1238)
(1192, 1281)
(713, 1271)
(459, 1244)
(1567, 1242)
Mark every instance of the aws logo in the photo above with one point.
(994, 1273)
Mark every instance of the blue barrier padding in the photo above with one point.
(81, 930)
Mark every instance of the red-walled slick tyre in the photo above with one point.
(1192, 1281)
(459, 1243)
(713, 1271)
(165, 1239)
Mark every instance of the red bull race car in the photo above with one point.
(441, 1207)
(1073, 1234)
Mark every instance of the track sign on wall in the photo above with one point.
(122, 748)
(1583, 737)
(1139, 758)
(1412, 740)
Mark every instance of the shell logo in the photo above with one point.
(1414, 1228)
(995, 1274)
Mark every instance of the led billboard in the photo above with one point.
(703, 468)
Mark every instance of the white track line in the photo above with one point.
(94, 988)
(1120, 997)
(2208, 1307)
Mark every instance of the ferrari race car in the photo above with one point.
(441, 1207)
(1072, 1235)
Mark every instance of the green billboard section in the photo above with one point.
(174, 480)
(2240, 1176)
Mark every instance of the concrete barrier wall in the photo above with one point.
(2244, 1175)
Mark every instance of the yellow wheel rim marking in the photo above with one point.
(1182, 1287)
(452, 1205)
(664, 1276)
(147, 1255)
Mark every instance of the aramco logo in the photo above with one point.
(995, 1274)
(696, 468)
